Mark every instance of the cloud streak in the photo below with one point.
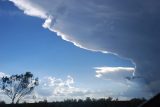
(114, 73)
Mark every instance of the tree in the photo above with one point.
(18, 86)
(109, 99)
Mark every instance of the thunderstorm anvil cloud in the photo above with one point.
(130, 28)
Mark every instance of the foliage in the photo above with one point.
(88, 102)
(18, 86)
(2, 102)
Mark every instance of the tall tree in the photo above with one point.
(18, 86)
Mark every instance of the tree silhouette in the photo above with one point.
(18, 86)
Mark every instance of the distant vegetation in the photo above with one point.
(88, 102)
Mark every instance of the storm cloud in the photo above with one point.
(129, 28)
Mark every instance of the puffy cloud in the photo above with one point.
(57, 89)
(2, 74)
(114, 73)
(52, 88)
(128, 28)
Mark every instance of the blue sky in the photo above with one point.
(26, 46)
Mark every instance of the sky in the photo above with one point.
(82, 49)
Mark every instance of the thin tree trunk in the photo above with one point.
(12, 101)
(13, 98)
(17, 101)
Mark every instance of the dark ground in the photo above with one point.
(79, 103)
(153, 102)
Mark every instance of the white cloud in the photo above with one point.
(47, 23)
(2, 74)
(29, 8)
(119, 86)
(114, 73)
(57, 89)
(52, 88)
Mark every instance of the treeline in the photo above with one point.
(88, 102)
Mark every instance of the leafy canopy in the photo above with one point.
(18, 86)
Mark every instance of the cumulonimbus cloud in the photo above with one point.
(128, 28)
